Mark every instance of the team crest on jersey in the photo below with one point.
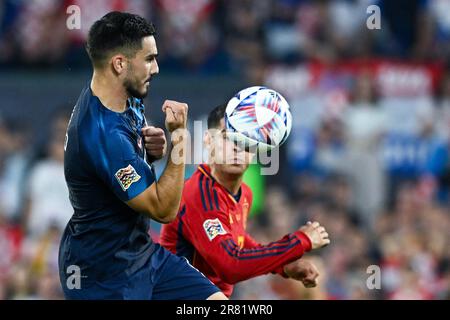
(127, 176)
(213, 228)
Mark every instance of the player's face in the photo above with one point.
(141, 69)
(226, 155)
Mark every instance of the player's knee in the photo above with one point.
(217, 296)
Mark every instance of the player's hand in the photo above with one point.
(176, 115)
(304, 271)
(317, 234)
(155, 142)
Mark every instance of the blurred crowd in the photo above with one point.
(368, 156)
(216, 36)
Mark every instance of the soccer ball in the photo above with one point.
(258, 117)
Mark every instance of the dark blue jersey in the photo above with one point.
(105, 166)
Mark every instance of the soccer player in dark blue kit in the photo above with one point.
(106, 251)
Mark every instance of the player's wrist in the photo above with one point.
(281, 271)
(177, 148)
(304, 240)
(178, 136)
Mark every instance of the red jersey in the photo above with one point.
(209, 231)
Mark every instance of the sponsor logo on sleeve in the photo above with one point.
(126, 177)
(213, 228)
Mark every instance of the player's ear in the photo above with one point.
(208, 141)
(207, 138)
(119, 63)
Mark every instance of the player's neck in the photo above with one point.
(230, 182)
(111, 92)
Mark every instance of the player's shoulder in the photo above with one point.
(101, 121)
(202, 192)
(95, 127)
(194, 188)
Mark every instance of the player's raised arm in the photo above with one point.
(161, 200)
(213, 240)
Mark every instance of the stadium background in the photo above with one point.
(368, 156)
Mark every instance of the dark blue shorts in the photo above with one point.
(165, 277)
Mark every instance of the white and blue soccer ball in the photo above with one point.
(258, 117)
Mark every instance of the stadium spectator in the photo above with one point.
(48, 196)
(364, 125)
(14, 163)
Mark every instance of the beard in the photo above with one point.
(132, 85)
(132, 88)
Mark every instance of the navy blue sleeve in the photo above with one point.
(121, 167)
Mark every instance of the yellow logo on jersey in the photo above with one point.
(241, 240)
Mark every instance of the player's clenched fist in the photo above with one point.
(176, 115)
(317, 234)
(304, 271)
(155, 142)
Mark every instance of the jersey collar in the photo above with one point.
(206, 171)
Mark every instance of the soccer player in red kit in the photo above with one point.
(210, 227)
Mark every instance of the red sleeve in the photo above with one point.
(252, 243)
(249, 242)
(209, 232)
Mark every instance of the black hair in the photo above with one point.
(117, 31)
(216, 115)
